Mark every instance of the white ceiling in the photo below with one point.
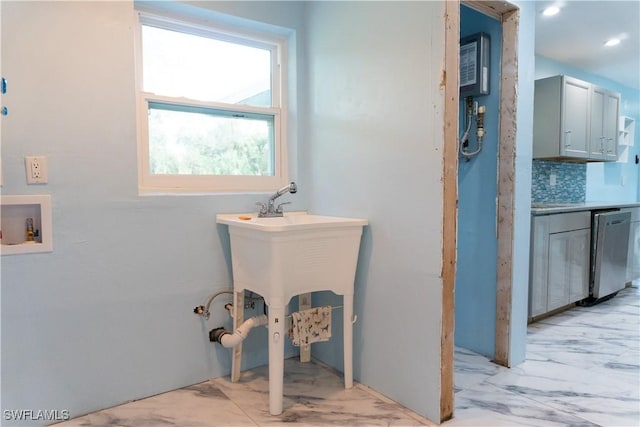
(577, 34)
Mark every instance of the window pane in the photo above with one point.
(187, 140)
(184, 65)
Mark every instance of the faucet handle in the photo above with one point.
(279, 208)
(263, 208)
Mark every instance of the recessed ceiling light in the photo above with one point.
(612, 42)
(551, 10)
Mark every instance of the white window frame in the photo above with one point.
(204, 184)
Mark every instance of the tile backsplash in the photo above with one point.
(570, 182)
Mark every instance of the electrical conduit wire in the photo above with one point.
(479, 132)
(469, 154)
(465, 136)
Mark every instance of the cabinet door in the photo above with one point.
(579, 253)
(611, 123)
(575, 118)
(538, 272)
(605, 106)
(559, 271)
(568, 267)
(597, 138)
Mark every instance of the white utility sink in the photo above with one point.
(285, 256)
(282, 257)
(293, 221)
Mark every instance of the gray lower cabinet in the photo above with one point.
(559, 272)
(568, 268)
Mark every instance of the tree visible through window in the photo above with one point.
(212, 105)
(208, 143)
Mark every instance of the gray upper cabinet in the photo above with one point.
(603, 142)
(574, 119)
(561, 118)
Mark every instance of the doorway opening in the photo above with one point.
(502, 216)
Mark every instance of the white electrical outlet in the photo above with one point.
(552, 179)
(36, 168)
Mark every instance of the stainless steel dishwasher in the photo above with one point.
(609, 248)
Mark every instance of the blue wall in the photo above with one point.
(107, 316)
(477, 186)
(611, 182)
(374, 150)
(522, 183)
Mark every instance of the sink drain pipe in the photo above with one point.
(230, 340)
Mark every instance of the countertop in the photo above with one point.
(553, 208)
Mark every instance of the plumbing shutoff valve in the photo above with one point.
(480, 121)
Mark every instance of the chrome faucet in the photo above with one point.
(269, 210)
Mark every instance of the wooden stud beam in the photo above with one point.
(450, 84)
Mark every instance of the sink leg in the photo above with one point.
(276, 359)
(347, 321)
(238, 318)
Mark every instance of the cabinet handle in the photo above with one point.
(567, 138)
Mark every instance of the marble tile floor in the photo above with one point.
(314, 396)
(582, 369)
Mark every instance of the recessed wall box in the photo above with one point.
(475, 58)
(16, 212)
